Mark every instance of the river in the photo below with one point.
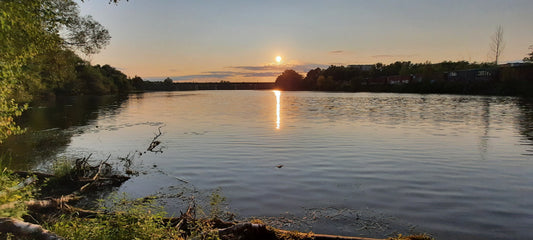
(362, 164)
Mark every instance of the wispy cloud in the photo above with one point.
(282, 67)
(244, 73)
(206, 76)
(260, 68)
(394, 55)
(261, 74)
(337, 52)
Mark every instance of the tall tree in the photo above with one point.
(29, 28)
(497, 44)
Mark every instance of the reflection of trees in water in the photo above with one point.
(485, 121)
(49, 125)
(525, 120)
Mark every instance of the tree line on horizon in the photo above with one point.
(410, 77)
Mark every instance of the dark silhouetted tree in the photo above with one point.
(137, 83)
(311, 78)
(325, 83)
(530, 58)
(168, 81)
(289, 80)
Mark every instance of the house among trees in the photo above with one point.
(472, 75)
(364, 68)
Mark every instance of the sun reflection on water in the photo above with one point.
(278, 106)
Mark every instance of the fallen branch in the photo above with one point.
(155, 143)
(261, 231)
(21, 228)
(102, 164)
(38, 205)
(58, 203)
(246, 231)
(112, 180)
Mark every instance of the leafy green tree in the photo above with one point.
(21, 38)
(29, 28)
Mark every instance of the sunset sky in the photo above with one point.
(239, 40)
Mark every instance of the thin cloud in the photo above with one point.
(259, 68)
(307, 67)
(282, 67)
(220, 72)
(394, 55)
(246, 72)
(261, 74)
(200, 76)
(337, 52)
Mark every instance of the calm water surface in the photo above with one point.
(459, 167)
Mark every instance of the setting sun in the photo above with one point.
(278, 59)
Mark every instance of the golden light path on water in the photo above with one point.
(278, 106)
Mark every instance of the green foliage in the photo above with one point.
(32, 58)
(21, 38)
(14, 191)
(200, 229)
(124, 219)
(62, 168)
(216, 204)
(8, 111)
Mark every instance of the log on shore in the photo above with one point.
(21, 228)
(263, 232)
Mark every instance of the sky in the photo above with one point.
(239, 40)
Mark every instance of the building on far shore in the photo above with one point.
(472, 75)
(366, 67)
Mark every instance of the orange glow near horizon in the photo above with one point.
(278, 108)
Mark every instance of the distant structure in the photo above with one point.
(472, 75)
(362, 67)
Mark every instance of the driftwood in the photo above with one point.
(89, 181)
(34, 231)
(261, 231)
(21, 228)
(39, 205)
(155, 143)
